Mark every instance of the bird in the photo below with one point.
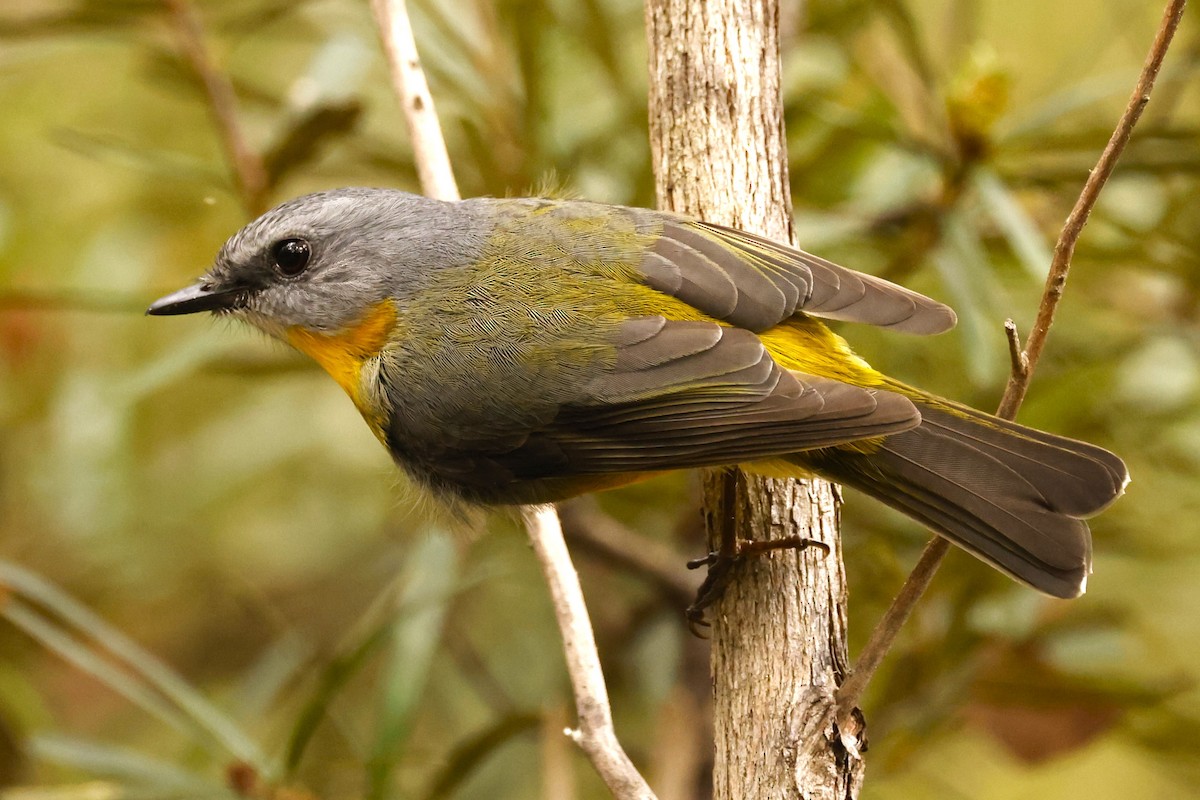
(527, 350)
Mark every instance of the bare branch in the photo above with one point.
(1056, 281)
(249, 172)
(1017, 360)
(595, 734)
(408, 79)
(885, 631)
(1023, 361)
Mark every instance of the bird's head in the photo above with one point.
(321, 262)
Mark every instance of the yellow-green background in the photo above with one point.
(217, 499)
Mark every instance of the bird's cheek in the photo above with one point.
(264, 322)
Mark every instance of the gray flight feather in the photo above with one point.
(756, 284)
(1014, 496)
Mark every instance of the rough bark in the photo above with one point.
(778, 636)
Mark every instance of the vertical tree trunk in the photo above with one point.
(778, 638)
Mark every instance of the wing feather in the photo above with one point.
(683, 394)
(755, 283)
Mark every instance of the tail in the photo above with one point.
(1013, 496)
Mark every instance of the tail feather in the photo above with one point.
(1079, 479)
(1011, 495)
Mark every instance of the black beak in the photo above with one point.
(197, 297)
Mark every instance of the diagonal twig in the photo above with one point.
(1064, 249)
(408, 80)
(596, 735)
(1024, 361)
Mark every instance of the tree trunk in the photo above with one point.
(778, 636)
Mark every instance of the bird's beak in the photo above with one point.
(197, 297)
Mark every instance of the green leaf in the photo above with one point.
(307, 135)
(470, 753)
(120, 763)
(1019, 229)
(41, 629)
(333, 679)
(962, 262)
(146, 669)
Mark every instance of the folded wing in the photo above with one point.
(677, 395)
(755, 283)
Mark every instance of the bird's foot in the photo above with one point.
(720, 572)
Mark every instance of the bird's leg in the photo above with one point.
(732, 550)
(720, 572)
(720, 561)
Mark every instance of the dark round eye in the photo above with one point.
(291, 256)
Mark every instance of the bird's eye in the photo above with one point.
(291, 256)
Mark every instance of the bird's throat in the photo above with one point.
(343, 354)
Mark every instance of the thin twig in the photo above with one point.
(249, 172)
(884, 634)
(596, 735)
(1018, 362)
(408, 79)
(1023, 361)
(1064, 249)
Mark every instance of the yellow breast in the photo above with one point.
(343, 354)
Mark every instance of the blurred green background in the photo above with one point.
(212, 499)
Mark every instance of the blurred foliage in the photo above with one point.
(176, 493)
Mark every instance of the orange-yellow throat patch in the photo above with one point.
(342, 354)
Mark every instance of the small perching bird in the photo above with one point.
(528, 350)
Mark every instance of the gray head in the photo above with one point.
(321, 260)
